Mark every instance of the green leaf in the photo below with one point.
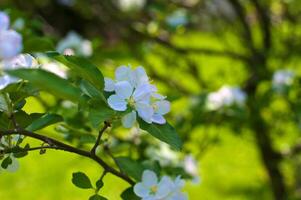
(99, 184)
(4, 102)
(44, 121)
(38, 44)
(166, 133)
(129, 194)
(97, 197)
(130, 167)
(81, 180)
(100, 112)
(6, 162)
(49, 82)
(20, 152)
(84, 69)
(91, 91)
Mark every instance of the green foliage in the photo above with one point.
(44, 121)
(130, 167)
(49, 82)
(83, 68)
(165, 133)
(38, 44)
(81, 180)
(97, 197)
(129, 194)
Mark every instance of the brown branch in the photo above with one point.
(55, 144)
(106, 125)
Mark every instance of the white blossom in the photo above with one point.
(4, 21)
(283, 78)
(177, 18)
(75, 44)
(191, 168)
(10, 44)
(20, 61)
(163, 154)
(132, 89)
(150, 188)
(226, 96)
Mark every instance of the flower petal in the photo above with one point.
(4, 21)
(159, 119)
(109, 85)
(124, 89)
(162, 107)
(165, 187)
(143, 93)
(141, 190)
(129, 119)
(6, 80)
(140, 77)
(117, 103)
(145, 111)
(149, 178)
(123, 73)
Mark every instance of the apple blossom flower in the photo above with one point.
(191, 168)
(282, 78)
(75, 44)
(4, 21)
(226, 96)
(20, 61)
(10, 44)
(132, 88)
(150, 188)
(163, 154)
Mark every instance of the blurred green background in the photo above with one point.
(189, 48)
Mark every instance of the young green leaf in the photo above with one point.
(81, 180)
(49, 82)
(84, 69)
(166, 133)
(130, 167)
(44, 121)
(97, 197)
(129, 194)
(99, 184)
(6, 162)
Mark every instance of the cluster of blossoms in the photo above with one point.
(282, 78)
(133, 92)
(150, 188)
(167, 157)
(225, 97)
(74, 44)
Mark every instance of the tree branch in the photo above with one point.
(106, 125)
(55, 144)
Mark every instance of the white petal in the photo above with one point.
(4, 21)
(159, 119)
(124, 89)
(6, 80)
(158, 96)
(20, 61)
(164, 187)
(145, 111)
(117, 103)
(142, 93)
(162, 107)
(140, 76)
(14, 166)
(129, 119)
(109, 85)
(10, 44)
(141, 190)
(149, 178)
(123, 73)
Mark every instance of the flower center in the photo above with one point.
(154, 189)
(131, 102)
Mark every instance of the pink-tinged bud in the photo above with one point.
(10, 44)
(4, 21)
